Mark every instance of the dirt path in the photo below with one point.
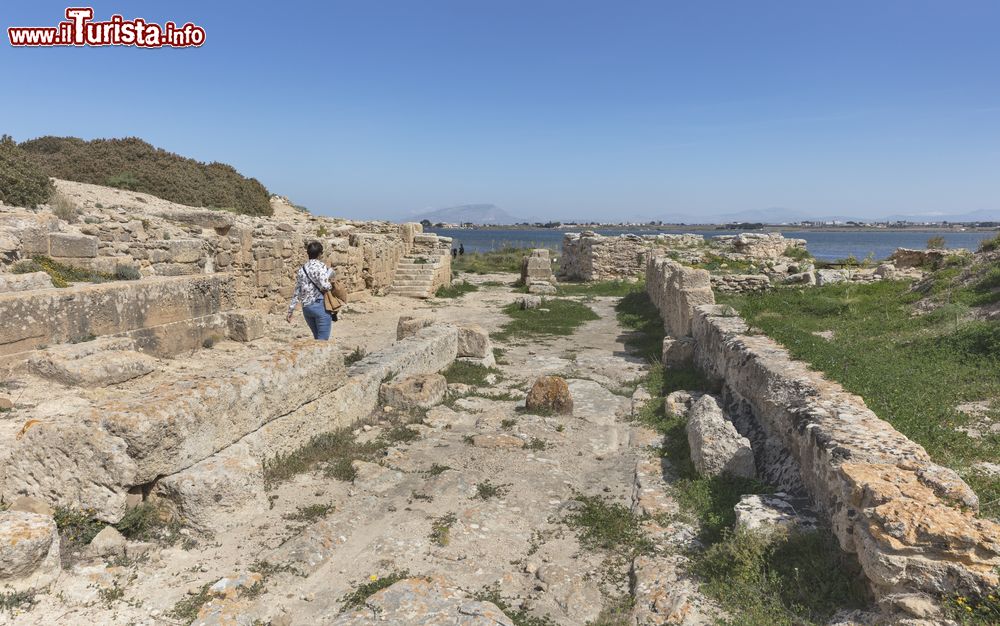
(487, 500)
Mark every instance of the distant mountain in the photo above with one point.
(471, 213)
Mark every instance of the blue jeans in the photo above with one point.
(318, 319)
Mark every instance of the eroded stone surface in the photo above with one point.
(550, 394)
(716, 447)
(29, 550)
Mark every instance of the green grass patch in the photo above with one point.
(334, 452)
(62, 275)
(470, 373)
(187, 608)
(611, 288)
(554, 317)
(981, 610)
(719, 264)
(486, 490)
(455, 290)
(786, 580)
(16, 601)
(912, 370)
(601, 524)
(637, 312)
(495, 261)
(310, 513)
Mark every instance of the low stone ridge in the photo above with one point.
(716, 447)
(550, 394)
(675, 291)
(25, 282)
(414, 392)
(99, 363)
(910, 521)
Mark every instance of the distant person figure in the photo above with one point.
(454, 253)
(461, 249)
(312, 280)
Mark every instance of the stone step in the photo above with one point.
(411, 272)
(412, 293)
(413, 283)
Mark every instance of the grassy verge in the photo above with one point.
(62, 275)
(613, 288)
(554, 317)
(470, 373)
(495, 261)
(455, 290)
(760, 581)
(356, 599)
(334, 452)
(912, 370)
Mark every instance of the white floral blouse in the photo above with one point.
(313, 273)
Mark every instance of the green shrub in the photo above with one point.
(22, 182)
(799, 254)
(135, 165)
(935, 243)
(990, 244)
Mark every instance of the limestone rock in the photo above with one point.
(541, 287)
(6, 404)
(245, 325)
(422, 391)
(680, 402)
(801, 278)
(68, 245)
(108, 543)
(831, 277)
(579, 597)
(28, 504)
(373, 477)
(424, 602)
(550, 394)
(74, 464)
(716, 446)
(499, 441)
(29, 550)
(409, 325)
(25, 282)
(207, 494)
(777, 511)
(474, 342)
(677, 352)
(99, 363)
(527, 303)
(537, 267)
(591, 402)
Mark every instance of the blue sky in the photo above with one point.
(550, 109)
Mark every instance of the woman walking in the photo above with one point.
(312, 280)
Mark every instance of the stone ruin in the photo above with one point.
(118, 401)
(911, 523)
(536, 272)
(588, 256)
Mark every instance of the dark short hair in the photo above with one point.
(314, 249)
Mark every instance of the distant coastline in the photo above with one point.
(673, 228)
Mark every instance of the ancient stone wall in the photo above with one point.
(49, 316)
(910, 522)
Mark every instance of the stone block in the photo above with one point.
(185, 250)
(541, 287)
(831, 277)
(29, 550)
(529, 302)
(245, 325)
(716, 446)
(409, 325)
(98, 363)
(678, 352)
(108, 543)
(207, 494)
(550, 394)
(422, 391)
(70, 246)
(25, 282)
(474, 342)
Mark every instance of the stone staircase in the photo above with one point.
(415, 276)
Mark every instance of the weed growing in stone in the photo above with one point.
(519, 617)
(310, 513)
(62, 275)
(601, 524)
(112, 594)
(186, 609)
(486, 490)
(441, 529)
(557, 316)
(356, 599)
(508, 423)
(469, 373)
(356, 355)
(16, 601)
(616, 612)
(536, 444)
(455, 290)
(976, 610)
(437, 470)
